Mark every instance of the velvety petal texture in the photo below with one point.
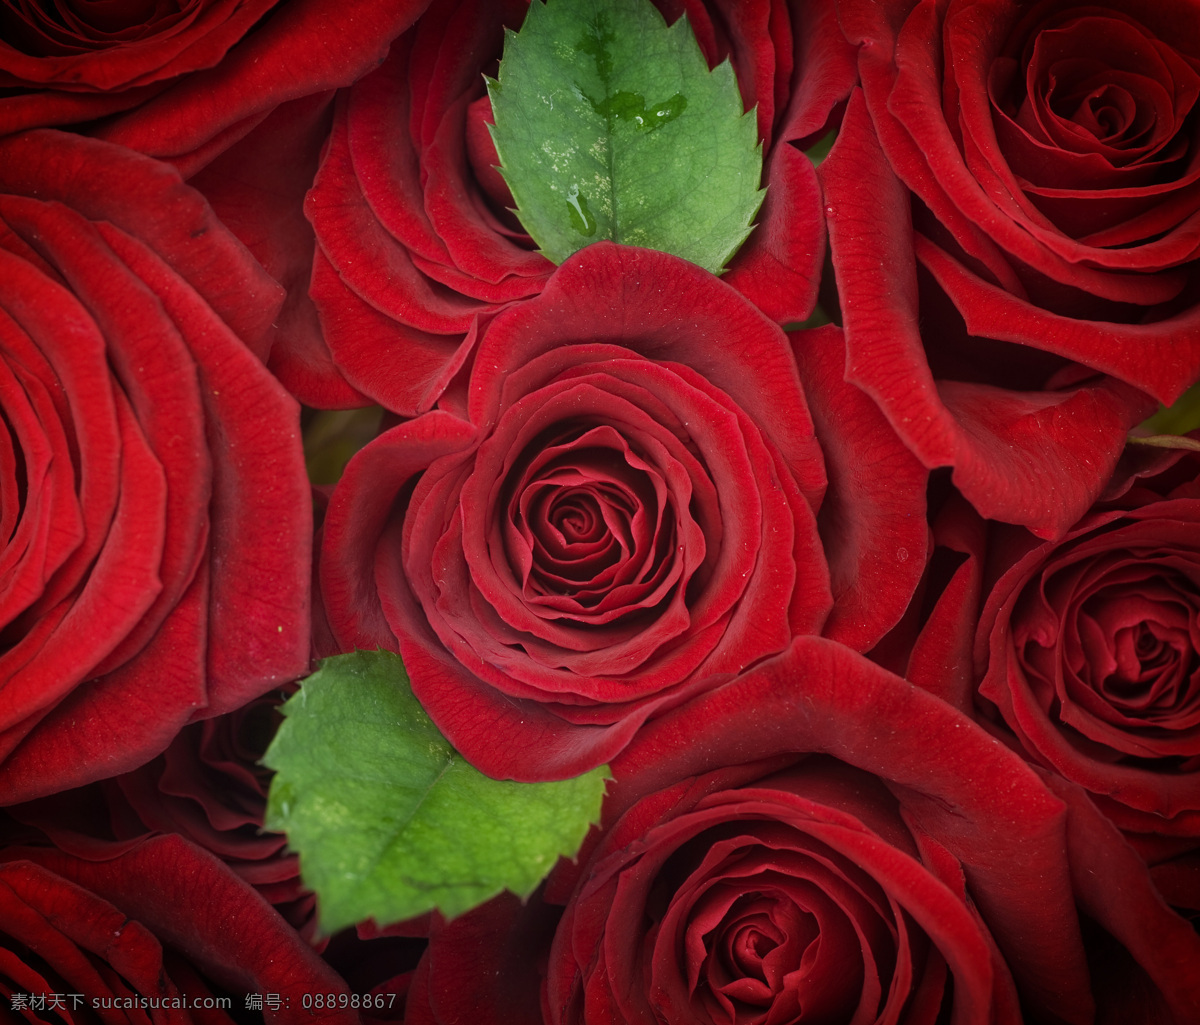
(207, 787)
(257, 188)
(625, 508)
(872, 519)
(1047, 163)
(155, 512)
(819, 840)
(416, 238)
(146, 936)
(1089, 649)
(183, 81)
(1031, 436)
(1054, 148)
(1081, 654)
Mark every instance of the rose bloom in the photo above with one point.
(182, 81)
(821, 841)
(155, 512)
(617, 504)
(415, 235)
(152, 934)
(1087, 650)
(237, 96)
(208, 787)
(208, 792)
(1031, 170)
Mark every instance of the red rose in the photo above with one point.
(415, 238)
(1055, 147)
(237, 95)
(1053, 159)
(623, 508)
(162, 926)
(790, 895)
(1088, 649)
(872, 518)
(183, 81)
(156, 512)
(819, 840)
(208, 787)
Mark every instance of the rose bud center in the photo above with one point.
(1143, 660)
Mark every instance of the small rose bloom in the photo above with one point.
(160, 932)
(209, 788)
(1087, 649)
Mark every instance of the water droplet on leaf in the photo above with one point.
(581, 217)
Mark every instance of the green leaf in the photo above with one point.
(332, 436)
(1166, 441)
(1180, 418)
(819, 150)
(610, 125)
(390, 821)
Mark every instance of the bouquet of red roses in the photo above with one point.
(600, 512)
